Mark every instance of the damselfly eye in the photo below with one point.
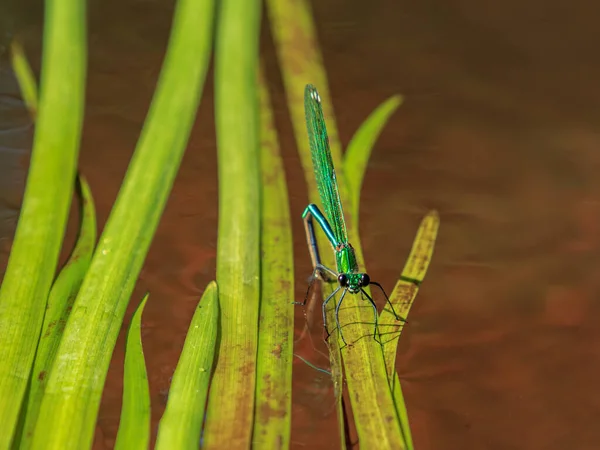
(365, 280)
(343, 279)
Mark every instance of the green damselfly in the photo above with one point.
(347, 275)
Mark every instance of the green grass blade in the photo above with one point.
(360, 147)
(63, 293)
(34, 256)
(232, 394)
(407, 287)
(402, 413)
(374, 411)
(134, 426)
(70, 406)
(402, 298)
(273, 409)
(25, 77)
(181, 424)
(301, 63)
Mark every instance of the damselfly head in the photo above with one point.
(353, 281)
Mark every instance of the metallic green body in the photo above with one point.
(332, 222)
(328, 188)
(323, 164)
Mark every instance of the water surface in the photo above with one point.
(498, 132)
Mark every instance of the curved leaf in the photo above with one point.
(70, 407)
(34, 256)
(134, 427)
(181, 424)
(60, 302)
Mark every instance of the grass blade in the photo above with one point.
(360, 148)
(402, 413)
(407, 286)
(34, 256)
(232, 394)
(134, 426)
(181, 424)
(301, 62)
(372, 403)
(63, 293)
(70, 406)
(273, 409)
(402, 298)
(25, 77)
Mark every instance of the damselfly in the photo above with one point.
(347, 273)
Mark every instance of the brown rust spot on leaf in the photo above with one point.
(51, 325)
(277, 351)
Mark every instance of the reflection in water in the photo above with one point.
(15, 144)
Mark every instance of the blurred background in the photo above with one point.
(498, 132)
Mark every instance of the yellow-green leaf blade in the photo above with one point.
(25, 77)
(402, 298)
(231, 399)
(372, 403)
(134, 426)
(402, 413)
(62, 295)
(272, 422)
(34, 256)
(301, 63)
(407, 286)
(70, 406)
(181, 424)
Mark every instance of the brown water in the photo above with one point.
(498, 132)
